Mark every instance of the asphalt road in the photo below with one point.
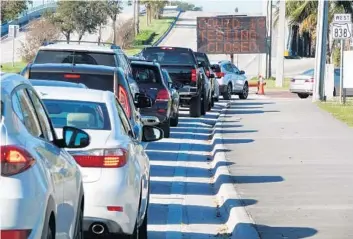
(295, 161)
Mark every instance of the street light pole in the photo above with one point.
(270, 42)
(280, 44)
(321, 49)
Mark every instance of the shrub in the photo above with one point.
(37, 32)
(144, 37)
(125, 34)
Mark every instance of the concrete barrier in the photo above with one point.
(239, 224)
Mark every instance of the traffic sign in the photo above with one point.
(342, 18)
(13, 30)
(341, 30)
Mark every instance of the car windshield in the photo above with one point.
(57, 56)
(146, 74)
(169, 55)
(308, 72)
(80, 114)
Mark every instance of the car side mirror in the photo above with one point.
(151, 133)
(241, 72)
(143, 101)
(75, 138)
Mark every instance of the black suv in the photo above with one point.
(105, 54)
(188, 76)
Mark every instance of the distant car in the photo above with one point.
(149, 78)
(41, 193)
(203, 59)
(115, 167)
(93, 54)
(303, 84)
(95, 77)
(54, 83)
(231, 80)
(180, 62)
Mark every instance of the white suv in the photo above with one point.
(41, 192)
(231, 80)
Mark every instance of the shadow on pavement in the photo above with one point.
(245, 112)
(266, 232)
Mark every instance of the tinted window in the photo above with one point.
(216, 68)
(105, 59)
(92, 81)
(28, 115)
(308, 72)
(80, 114)
(202, 58)
(235, 68)
(228, 67)
(145, 74)
(42, 116)
(169, 56)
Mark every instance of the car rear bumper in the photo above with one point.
(160, 111)
(112, 190)
(306, 91)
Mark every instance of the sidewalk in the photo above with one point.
(296, 161)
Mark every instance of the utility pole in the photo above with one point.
(270, 42)
(280, 44)
(321, 40)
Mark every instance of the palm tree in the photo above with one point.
(304, 13)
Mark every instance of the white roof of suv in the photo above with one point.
(77, 47)
(76, 94)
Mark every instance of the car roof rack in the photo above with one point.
(112, 45)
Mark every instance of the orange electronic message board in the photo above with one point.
(231, 35)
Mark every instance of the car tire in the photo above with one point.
(216, 99)
(212, 101)
(303, 95)
(204, 104)
(195, 106)
(175, 120)
(165, 126)
(79, 226)
(245, 93)
(143, 233)
(227, 95)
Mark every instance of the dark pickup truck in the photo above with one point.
(187, 75)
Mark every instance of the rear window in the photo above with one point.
(92, 81)
(202, 58)
(169, 55)
(146, 74)
(308, 72)
(80, 114)
(216, 68)
(89, 58)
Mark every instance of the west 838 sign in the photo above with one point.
(341, 30)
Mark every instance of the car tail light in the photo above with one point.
(14, 160)
(72, 76)
(14, 234)
(220, 74)
(194, 75)
(310, 81)
(124, 101)
(163, 95)
(115, 208)
(102, 158)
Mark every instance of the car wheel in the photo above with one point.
(204, 104)
(166, 128)
(79, 228)
(303, 96)
(195, 106)
(175, 120)
(143, 233)
(227, 95)
(244, 94)
(212, 101)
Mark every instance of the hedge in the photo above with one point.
(144, 37)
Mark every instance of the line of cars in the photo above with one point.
(73, 124)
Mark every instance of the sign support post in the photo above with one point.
(13, 32)
(342, 30)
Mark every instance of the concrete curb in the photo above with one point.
(168, 30)
(238, 222)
